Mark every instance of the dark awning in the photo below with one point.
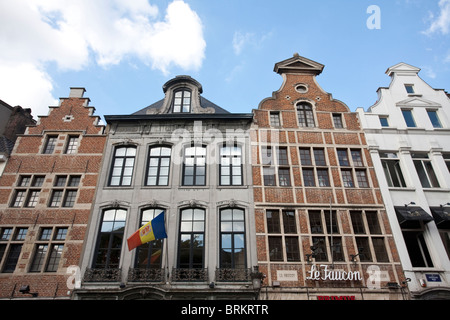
(410, 216)
(441, 216)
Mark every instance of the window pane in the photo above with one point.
(407, 115)
(432, 114)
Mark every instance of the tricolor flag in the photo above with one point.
(152, 230)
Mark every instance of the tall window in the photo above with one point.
(314, 164)
(283, 239)
(110, 238)
(280, 166)
(432, 114)
(48, 250)
(409, 119)
(326, 239)
(50, 144)
(275, 119)
(158, 166)
(425, 170)
(305, 114)
(64, 192)
(194, 166)
(149, 255)
(232, 238)
(191, 241)
(417, 248)
(182, 101)
(337, 120)
(392, 170)
(11, 242)
(28, 191)
(123, 165)
(72, 145)
(230, 166)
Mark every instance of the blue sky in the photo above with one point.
(123, 51)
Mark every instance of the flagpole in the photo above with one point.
(166, 251)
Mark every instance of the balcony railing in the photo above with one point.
(188, 275)
(233, 275)
(102, 275)
(146, 275)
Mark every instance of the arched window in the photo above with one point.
(158, 166)
(122, 166)
(305, 114)
(149, 255)
(182, 101)
(110, 238)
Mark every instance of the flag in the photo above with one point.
(153, 230)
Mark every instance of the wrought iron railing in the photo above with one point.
(233, 275)
(185, 274)
(146, 275)
(102, 275)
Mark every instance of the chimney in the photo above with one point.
(77, 92)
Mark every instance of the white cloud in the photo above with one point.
(74, 34)
(442, 22)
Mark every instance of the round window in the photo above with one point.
(301, 88)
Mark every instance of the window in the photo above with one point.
(409, 88)
(191, 241)
(425, 170)
(347, 178)
(392, 170)
(64, 192)
(110, 238)
(289, 222)
(305, 156)
(367, 223)
(308, 178)
(232, 238)
(275, 249)
(320, 248)
(182, 101)
(50, 144)
(149, 255)
(282, 156)
(361, 177)
(357, 158)
(123, 165)
(337, 120)
(273, 221)
(432, 114)
(292, 249)
(48, 250)
(158, 166)
(343, 157)
(384, 121)
(409, 119)
(417, 248)
(284, 177)
(11, 242)
(309, 173)
(446, 157)
(326, 241)
(301, 88)
(27, 195)
(305, 114)
(72, 145)
(194, 166)
(275, 119)
(269, 176)
(230, 166)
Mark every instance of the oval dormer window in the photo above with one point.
(182, 101)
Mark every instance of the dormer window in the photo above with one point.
(182, 101)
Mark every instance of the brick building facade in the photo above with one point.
(320, 218)
(46, 192)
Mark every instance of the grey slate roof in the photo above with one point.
(205, 103)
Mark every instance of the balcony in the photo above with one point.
(146, 275)
(233, 275)
(102, 275)
(189, 275)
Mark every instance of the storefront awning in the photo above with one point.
(441, 216)
(409, 217)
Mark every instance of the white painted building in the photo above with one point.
(408, 133)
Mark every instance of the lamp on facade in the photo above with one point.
(353, 256)
(257, 277)
(313, 253)
(445, 204)
(411, 203)
(26, 290)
